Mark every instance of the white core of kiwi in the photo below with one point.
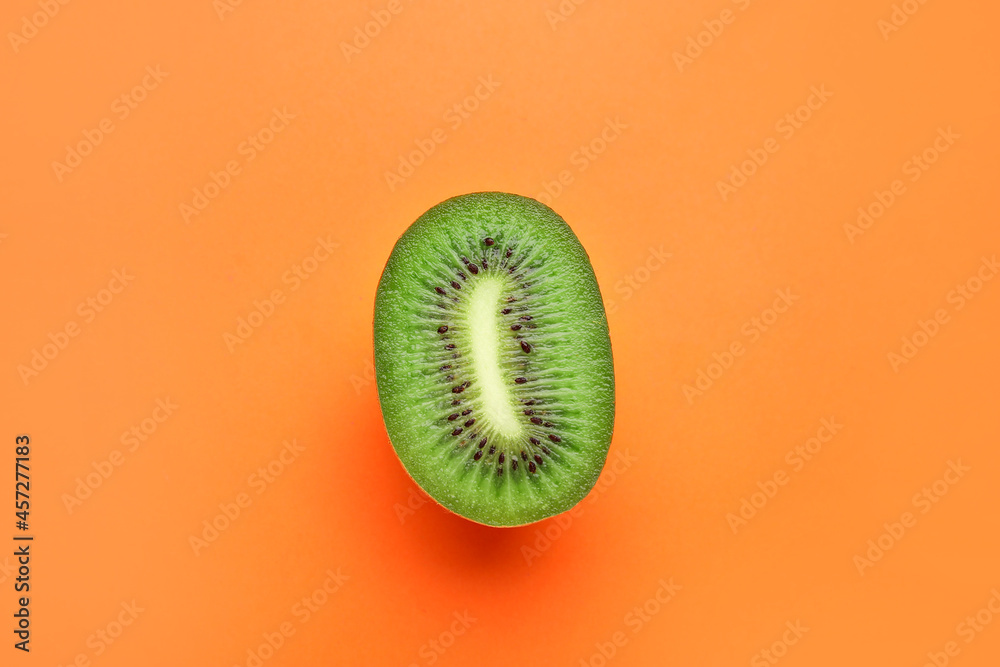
(484, 327)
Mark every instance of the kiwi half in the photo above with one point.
(493, 359)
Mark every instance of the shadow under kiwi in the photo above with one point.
(430, 531)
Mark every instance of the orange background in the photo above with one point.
(304, 373)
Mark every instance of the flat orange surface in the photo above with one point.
(791, 209)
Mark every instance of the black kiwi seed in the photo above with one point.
(457, 431)
(529, 412)
(449, 378)
(531, 466)
(446, 367)
(509, 252)
(485, 265)
(442, 329)
(538, 459)
(525, 347)
(466, 412)
(525, 318)
(505, 311)
(548, 424)
(482, 443)
(462, 276)
(546, 451)
(488, 241)
(499, 472)
(520, 380)
(452, 417)
(455, 284)
(513, 464)
(530, 402)
(502, 457)
(439, 290)
(515, 327)
(474, 269)
(449, 346)
(554, 438)
(458, 390)
(536, 420)
(479, 455)
(470, 422)
(534, 441)
(493, 450)
(456, 402)
(524, 457)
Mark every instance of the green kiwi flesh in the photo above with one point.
(493, 359)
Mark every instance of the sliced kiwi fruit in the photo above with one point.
(493, 359)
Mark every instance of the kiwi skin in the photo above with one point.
(481, 215)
